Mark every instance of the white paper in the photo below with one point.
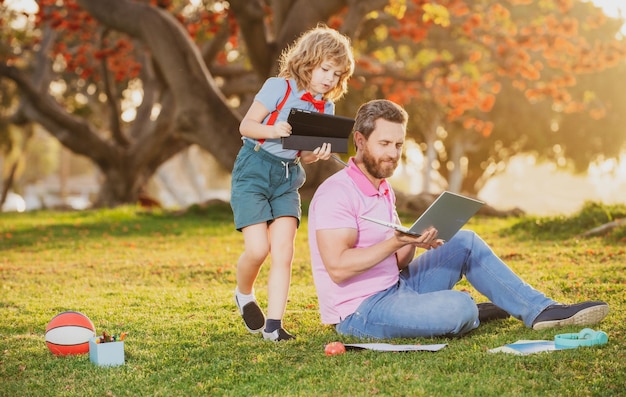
(387, 347)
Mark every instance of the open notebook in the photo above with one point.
(448, 213)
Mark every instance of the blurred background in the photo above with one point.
(521, 103)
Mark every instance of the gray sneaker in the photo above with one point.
(252, 315)
(585, 313)
(277, 335)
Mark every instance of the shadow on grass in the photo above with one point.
(26, 229)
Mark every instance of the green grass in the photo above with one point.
(168, 281)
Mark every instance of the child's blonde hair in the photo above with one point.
(315, 46)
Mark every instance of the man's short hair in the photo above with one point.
(376, 109)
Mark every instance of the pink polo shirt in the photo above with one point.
(338, 203)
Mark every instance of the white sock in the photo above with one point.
(244, 299)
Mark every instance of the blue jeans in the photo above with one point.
(422, 304)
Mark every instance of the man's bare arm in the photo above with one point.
(343, 261)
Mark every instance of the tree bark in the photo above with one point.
(201, 113)
(193, 107)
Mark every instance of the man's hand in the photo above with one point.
(427, 240)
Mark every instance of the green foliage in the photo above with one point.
(590, 216)
(168, 279)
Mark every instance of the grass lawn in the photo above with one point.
(168, 281)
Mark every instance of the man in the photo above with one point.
(369, 282)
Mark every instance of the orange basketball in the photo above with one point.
(69, 333)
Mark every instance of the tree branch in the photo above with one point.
(357, 10)
(73, 132)
(112, 100)
(250, 17)
(184, 73)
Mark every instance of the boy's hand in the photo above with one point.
(321, 153)
(282, 129)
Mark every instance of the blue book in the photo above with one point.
(524, 347)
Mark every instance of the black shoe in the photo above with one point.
(277, 335)
(585, 313)
(487, 311)
(252, 316)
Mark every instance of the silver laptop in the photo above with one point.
(448, 213)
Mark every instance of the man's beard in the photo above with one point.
(375, 168)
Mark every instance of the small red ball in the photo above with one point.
(334, 348)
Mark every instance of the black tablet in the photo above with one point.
(309, 130)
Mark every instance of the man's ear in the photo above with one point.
(359, 140)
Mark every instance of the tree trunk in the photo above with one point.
(6, 186)
(455, 176)
(430, 136)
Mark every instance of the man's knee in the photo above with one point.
(464, 238)
(464, 312)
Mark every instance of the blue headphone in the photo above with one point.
(586, 337)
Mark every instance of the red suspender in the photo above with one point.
(274, 114)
